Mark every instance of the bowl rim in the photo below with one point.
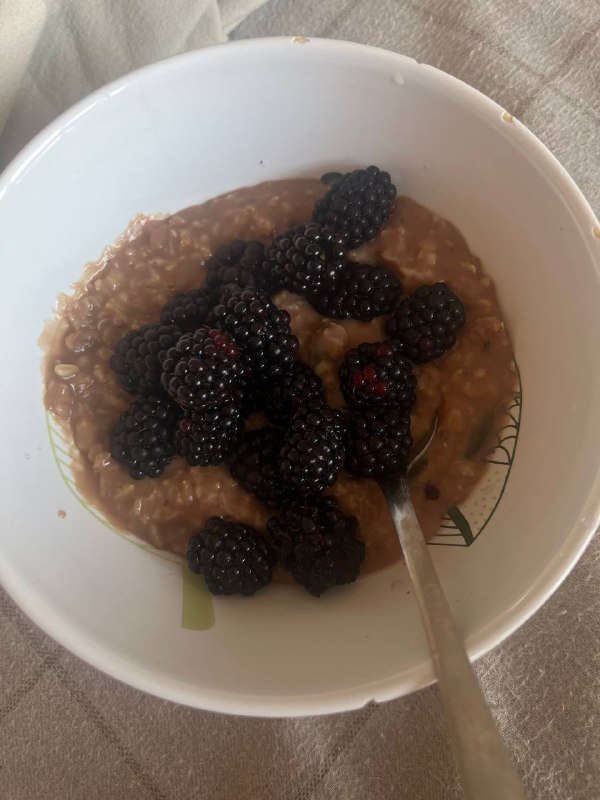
(108, 659)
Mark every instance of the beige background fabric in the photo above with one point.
(67, 731)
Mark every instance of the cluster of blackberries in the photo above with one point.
(379, 385)
(315, 541)
(224, 350)
(206, 361)
(310, 259)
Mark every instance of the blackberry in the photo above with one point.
(238, 262)
(203, 368)
(138, 356)
(189, 310)
(259, 328)
(142, 439)
(357, 204)
(377, 374)
(206, 437)
(313, 449)
(379, 442)
(305, 258)
(318, 544)
(233, 558)
(362, 292)
(369, 291)
(427, 321)
(284, 395)
(254, 463)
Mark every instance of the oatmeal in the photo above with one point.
(158, 258)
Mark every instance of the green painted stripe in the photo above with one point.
(197, 612)
(462, 524)
(56, 431)
(64, 470)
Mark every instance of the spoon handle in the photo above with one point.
(484, 765)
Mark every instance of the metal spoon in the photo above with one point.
(485, 768)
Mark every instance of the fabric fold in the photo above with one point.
(53, 54)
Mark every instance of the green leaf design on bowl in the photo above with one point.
(461, 526)
(197, 604)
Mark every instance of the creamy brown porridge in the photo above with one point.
(158, 258)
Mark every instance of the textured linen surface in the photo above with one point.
(69, 732)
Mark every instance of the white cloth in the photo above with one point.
(54, 52)
(20, 26)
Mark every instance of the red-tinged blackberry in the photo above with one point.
(233, 558)
(376, 375)
(318, 544)
(138, 356)
(304, 258)
(142, 439)
(259, 328)
(188, 311)
(379, 442)
(208, 436)
(313, 452)
(357, 204)
(427, 321)
(362, 292)
(203, 368)
(238, 262)
(283, 395)
(254, 463)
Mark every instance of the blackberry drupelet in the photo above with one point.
(208, 436)
(259, 328)
(138, 356)
(238, 262)
(142, 439)
(204, 368)
(282, 396)
(312, 453)
(362, 292)
(379, 442)
(318, 544)
(189, 310)
(427, 321)
(254, 463)
(305, 258)
(357, 204)
(233, 558)
(377, 375)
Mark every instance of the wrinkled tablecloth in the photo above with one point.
(69, 732)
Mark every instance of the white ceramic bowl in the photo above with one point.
(197, 125)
